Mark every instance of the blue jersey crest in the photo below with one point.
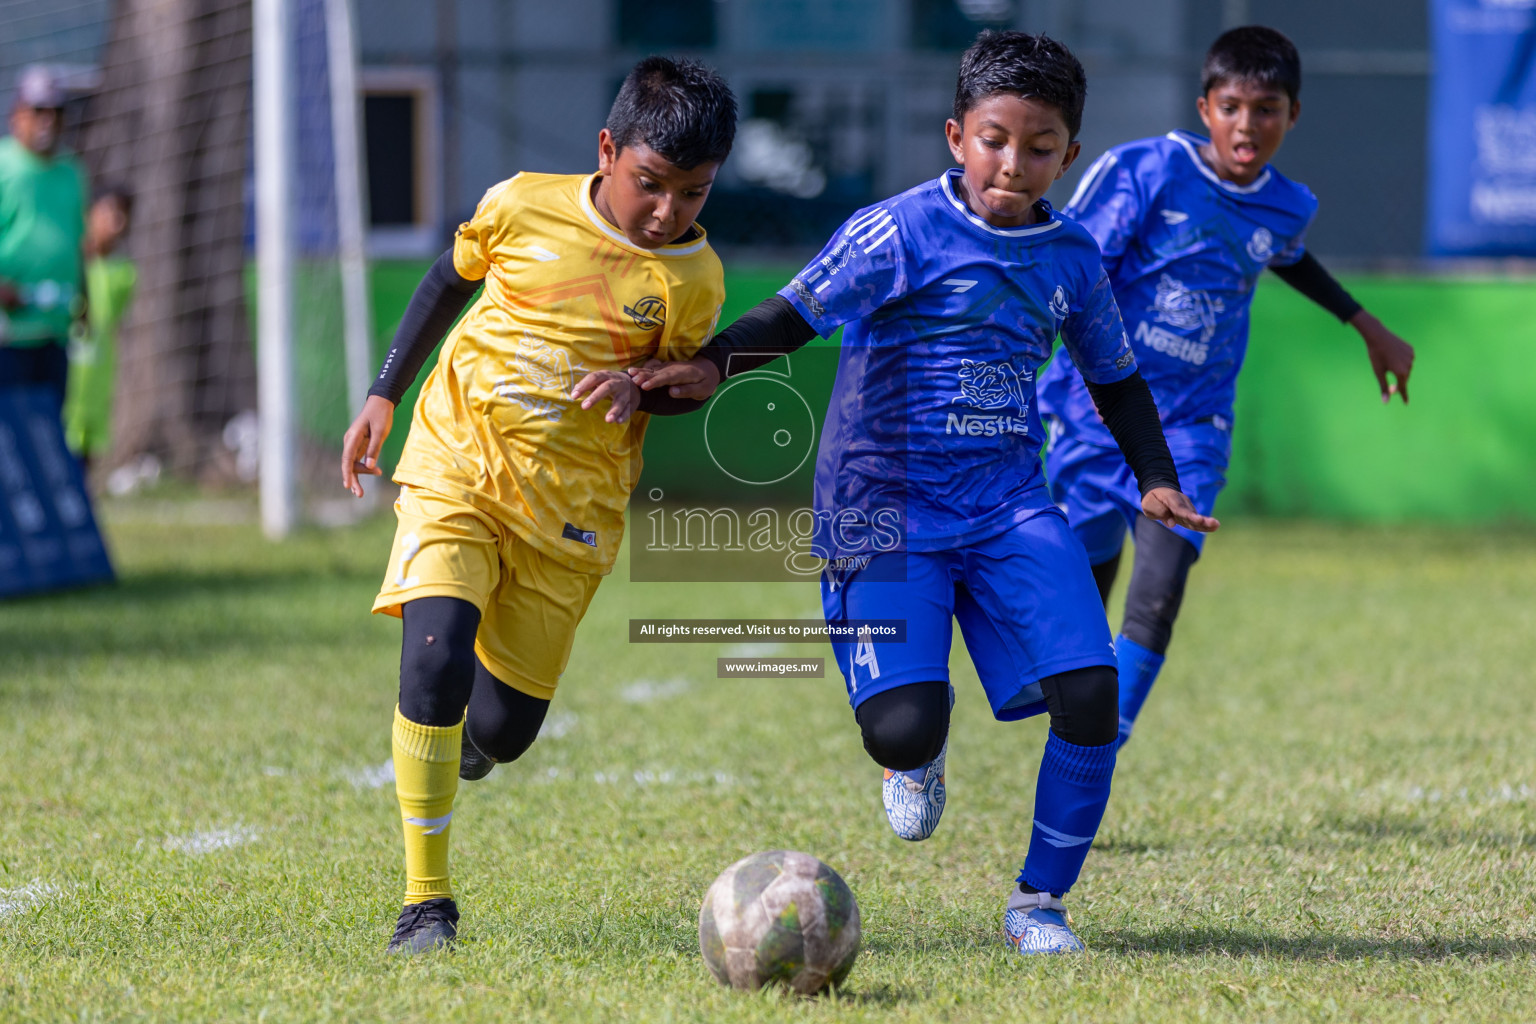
(1184, 251)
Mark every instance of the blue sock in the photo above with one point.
(1069, 803)
(1138, 671)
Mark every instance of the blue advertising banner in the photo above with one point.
(1482, 130)
(48, 536)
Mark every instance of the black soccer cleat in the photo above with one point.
(424, 927)
(473, 765)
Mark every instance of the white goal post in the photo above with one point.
(274, 75)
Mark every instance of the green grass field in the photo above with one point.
(1329, 811)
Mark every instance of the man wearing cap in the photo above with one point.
(42, 223)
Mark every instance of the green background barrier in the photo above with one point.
(1312, 437)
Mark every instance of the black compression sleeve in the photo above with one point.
(1127, 408)
(770, 329)
(436, 304)
(1312, 279)
(659, 403)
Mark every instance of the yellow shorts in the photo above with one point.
(529, 604)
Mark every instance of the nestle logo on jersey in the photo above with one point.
(982, 425)
(1170, 344)
(996, 385)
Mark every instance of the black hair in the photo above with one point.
(116, 191)
(682, 109)
(1030, 67)
(1254, 54)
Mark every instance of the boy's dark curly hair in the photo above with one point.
(1030, 67)
(1253, 54)
(680, 108)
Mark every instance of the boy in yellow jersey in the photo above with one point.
(515, 476)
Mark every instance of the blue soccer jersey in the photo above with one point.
(932, 437)
(1184, 250)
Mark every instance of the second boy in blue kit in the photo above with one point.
(950, 296)
(1187, 225)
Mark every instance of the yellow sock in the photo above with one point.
(426, 781)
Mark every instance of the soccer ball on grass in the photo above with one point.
(779, 917)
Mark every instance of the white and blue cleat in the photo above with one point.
(1037, 922)
(914, 800)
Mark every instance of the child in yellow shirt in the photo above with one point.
(514, 479)
(110, 279)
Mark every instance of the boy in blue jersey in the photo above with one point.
(1187, 225)
(951, 296)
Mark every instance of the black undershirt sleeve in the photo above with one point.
(770, 329)
(659, 403)
(774, 328)
(1312, 279)
(435, 305)
(1127, 408)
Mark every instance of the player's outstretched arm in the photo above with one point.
(771, 329)
(1128, 410)
(1172, 508)
(694, 378)
(622, 394)
(1389, 354)
(435, 305)
(363, 441)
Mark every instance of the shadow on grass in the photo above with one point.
(1333, 832)
(879, 995)
(1124, 847)
(181, 586)
(1354, 832)
(187, 613)
(1321, 946)
(1384, 826)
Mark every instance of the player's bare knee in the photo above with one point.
(1084, 704)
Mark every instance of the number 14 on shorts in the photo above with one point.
(864, 654)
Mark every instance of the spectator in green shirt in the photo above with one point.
(42, 223)
(109, 282)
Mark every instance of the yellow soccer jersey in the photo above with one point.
(565, 294)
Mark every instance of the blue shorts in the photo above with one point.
(1099, 494)
(1025, 600)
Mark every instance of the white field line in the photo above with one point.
(1503, 794)
(197, 843)
(25, 897)
(557, 725)
(375, 776)
(644, 777)
(754, 650)
(644, 691)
